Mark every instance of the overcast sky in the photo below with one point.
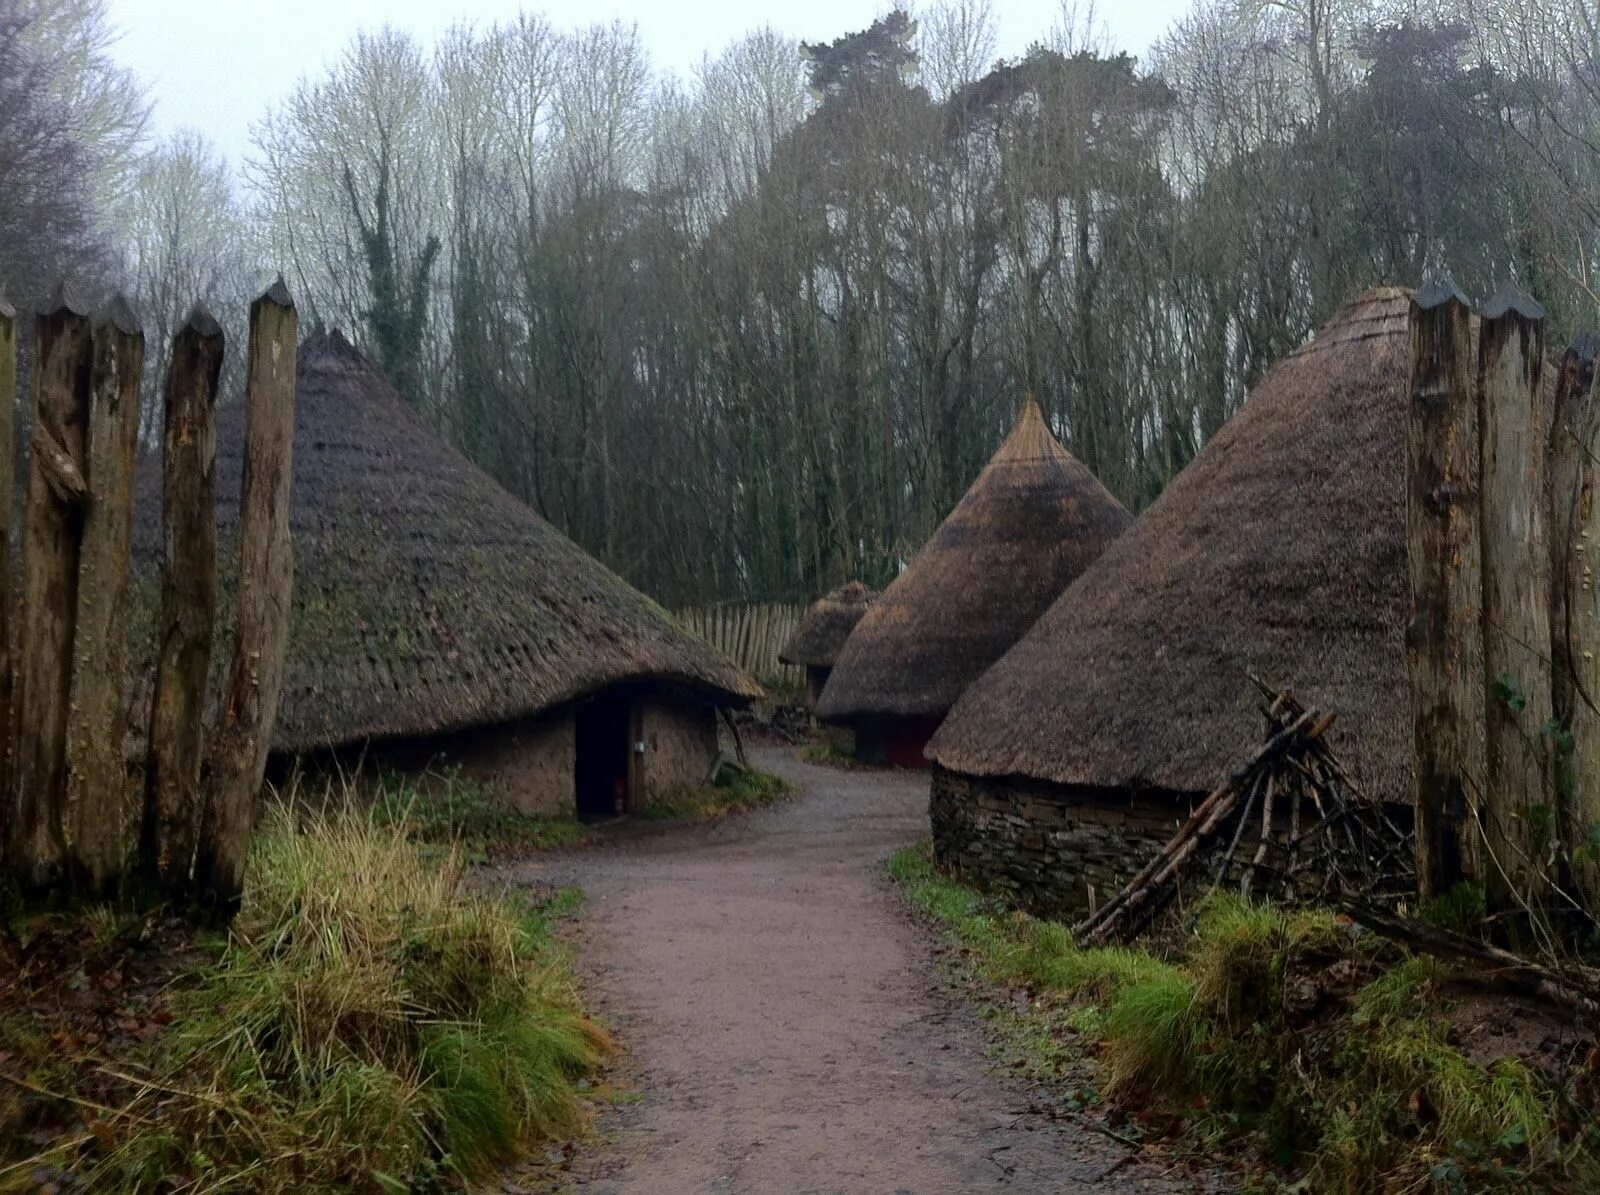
(220, 72)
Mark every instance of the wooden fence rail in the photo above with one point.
(751, 636)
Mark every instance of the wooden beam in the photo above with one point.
(1444, 645)
(52, 529)
(261, 625)
(1574, 528)
(96, 771)
(1518, 809)
(186, 628)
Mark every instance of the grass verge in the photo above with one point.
(366, 1024)
(1332, 1053)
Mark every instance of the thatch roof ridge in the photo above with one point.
(1279, 550)
(1032, 521)
(427, 597)
(822, 630)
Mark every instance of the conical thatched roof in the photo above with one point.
(1280, 550)
(1033, 520)
(426, 597)
(819, 637)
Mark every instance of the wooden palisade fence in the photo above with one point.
(1504, 631)
(751, 636)
(64, 651)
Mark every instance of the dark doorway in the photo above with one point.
(604, 749)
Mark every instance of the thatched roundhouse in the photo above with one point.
(820, 635)
(1279, 551)
(438, 617)
(1033, 520)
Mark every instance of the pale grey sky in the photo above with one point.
(219, 72)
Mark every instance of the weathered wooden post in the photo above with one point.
(50, 540)
(8, 453)
(266, 582)
(1574, 527)
(188, 605)
(1444, 644)
(1517, 807)
(95, 731)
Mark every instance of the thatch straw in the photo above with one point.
(426, 597)
(1280, 550)
(1033, 520)
(819, 637)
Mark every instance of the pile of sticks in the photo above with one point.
(1287, 824)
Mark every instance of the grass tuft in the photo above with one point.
(368, 1024)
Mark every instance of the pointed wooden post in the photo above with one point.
(1444, 644)
(1574, 527)
(95, 732)
(1518, 812)
(52, 528)
(188, 606)
(261, 626)
(8, 456)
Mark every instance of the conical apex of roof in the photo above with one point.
(1032, 521)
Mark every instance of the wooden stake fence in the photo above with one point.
(751, 636)
(63, 684)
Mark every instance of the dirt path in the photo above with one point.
(784, 1017)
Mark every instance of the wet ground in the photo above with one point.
(783, 1015)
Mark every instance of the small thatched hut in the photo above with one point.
(1033, 520)
(438, 617)
(820, 635)
(1280, 551)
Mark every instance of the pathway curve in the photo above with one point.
(784, 1015)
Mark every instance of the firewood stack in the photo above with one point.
(1287, 825)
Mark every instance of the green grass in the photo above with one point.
(736, 790)
(367, 1025)
(446, 807)
(1248, 1034)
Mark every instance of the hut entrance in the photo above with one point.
(604, 747)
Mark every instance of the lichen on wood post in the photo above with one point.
(1444, 645)
(266, 581)
(95, 728)
(52, 528)
(1518, 814)
(1574, 530)
(188, 605)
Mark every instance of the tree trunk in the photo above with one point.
(96, 770)
(1574, 523)
(51, 533)
(188, 606)
(266, 581)
(1518, 816)
(1444, 646)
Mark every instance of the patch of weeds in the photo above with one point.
(446, 808)
(735, 790)
(829, 756)
(1330, 1050)
(1461, 909)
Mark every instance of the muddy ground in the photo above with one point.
(783, 1016)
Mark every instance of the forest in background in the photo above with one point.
(750, 333)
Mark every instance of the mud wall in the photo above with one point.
(680, 745)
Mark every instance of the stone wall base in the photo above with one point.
(1051, 850)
